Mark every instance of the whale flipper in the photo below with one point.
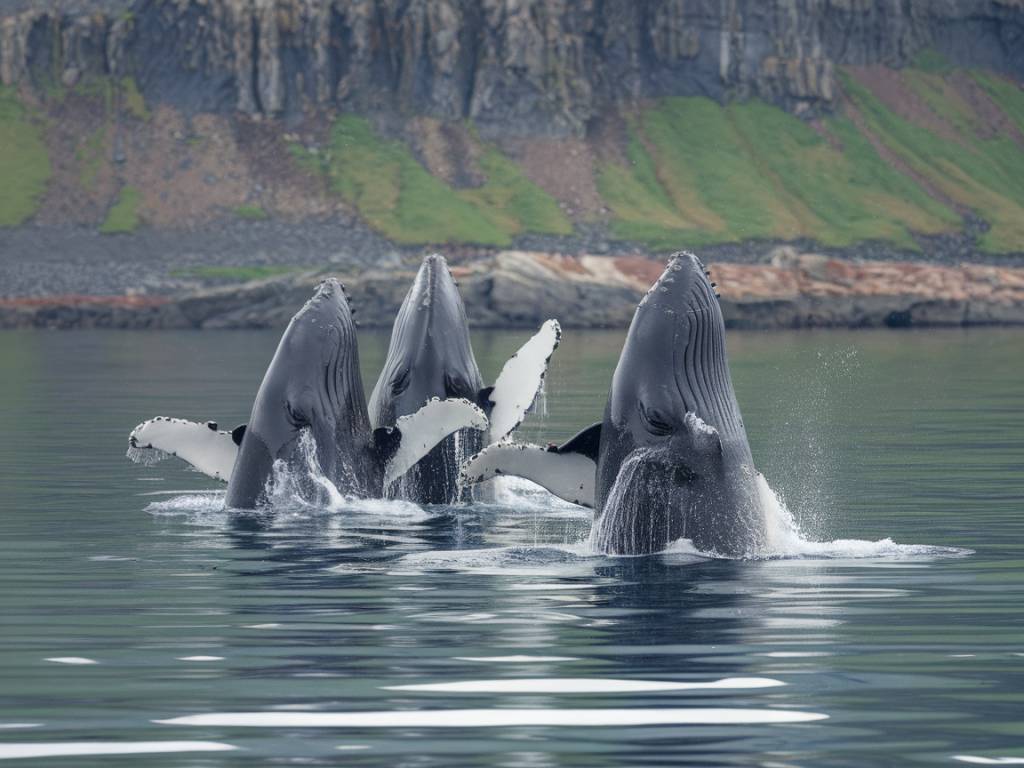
(415, 435)
(203, 446)
(569, 475)
(586, 442)
(519, 382)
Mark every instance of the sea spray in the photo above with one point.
(452, 452)
(301, 480)
(637, 515)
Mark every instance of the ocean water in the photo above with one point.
(141, 624)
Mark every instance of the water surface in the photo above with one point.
(138, 618)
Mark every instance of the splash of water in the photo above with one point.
(786, 540)
(301, 482)
(632, 507)
(638, 504)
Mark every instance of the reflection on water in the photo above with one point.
(138, 617)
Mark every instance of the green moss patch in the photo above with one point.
(123, 217)
(930, 60)
(237, 274)
(702, 173)
(401, 199)
(986, 175)
(132, 99)
(254, 212)
(24, 161)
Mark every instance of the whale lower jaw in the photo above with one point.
(655, 501)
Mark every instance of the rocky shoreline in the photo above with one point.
(522, 288)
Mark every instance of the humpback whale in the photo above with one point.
(430, 356)
(312, 387)
(670, 459)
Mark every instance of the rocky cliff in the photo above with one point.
(514, 67)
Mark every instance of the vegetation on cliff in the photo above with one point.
(24, 161)
(907, 153)
(400, 198)
(701, 173)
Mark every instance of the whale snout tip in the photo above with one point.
(681, 260)
(329, 286)
(683, 269)
(434, 279)
(332, 288)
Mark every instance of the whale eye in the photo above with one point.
(295, 417)
(655, 422)
(400, 382)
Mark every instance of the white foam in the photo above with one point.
(18, 726)
(186, 492)
(794, 654)
(200, 658)
(499, 718)
(516, 659)
(979, 760)
(509, 562)
(71, 660)
(188, 503)
(534, 587)
(585, 685)
(526, 496)
(12, 751)
(786, 540)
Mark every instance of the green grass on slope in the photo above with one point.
(751, 171)
(400, 198)
(518, 204)
(645, 210)
(134, 102)
(943, 99)
(930, 60)
(24, 162)
(123, 216)
(986, 175)
(839, 197)
(1008, 96)
(253, 212)
(698, 144)
(238, 274)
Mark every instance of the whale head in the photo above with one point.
(674, 459)
(312, 385)
(430, 356)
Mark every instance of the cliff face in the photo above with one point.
(515, 67)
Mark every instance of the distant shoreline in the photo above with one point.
(785, 289)
(37, 261)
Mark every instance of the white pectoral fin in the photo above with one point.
(418, 433)
(569, 476)
(203, 446)
(516, 387)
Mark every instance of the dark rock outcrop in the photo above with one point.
(521, 289)
(516, 67)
